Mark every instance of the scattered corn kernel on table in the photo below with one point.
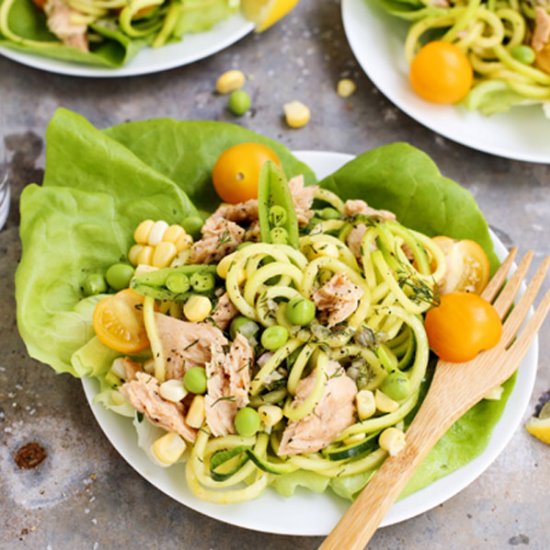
(73, 490)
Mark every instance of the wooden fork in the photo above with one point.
(455, 389)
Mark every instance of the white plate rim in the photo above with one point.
(352, 18)
(178, 54)
(413, 505)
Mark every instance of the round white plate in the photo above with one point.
(377, 40)
(309, 513)
(192, 48)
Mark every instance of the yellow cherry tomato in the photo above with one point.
(118, 322)
(441, 73)
(462, 326)
(468, 267)
(237, 171)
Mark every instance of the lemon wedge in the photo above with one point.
(265, 13)
(539, 426)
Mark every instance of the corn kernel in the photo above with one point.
(133, 254)
(230, 81)
(172, 390)
(366, 405)
(297, 114)
(157, 232)
(384, 403)
(345, 87)
(117, 368)
(141, 234)
(164, 254)
(196, 414)
(180, 259)
(141, 269)
(168, 448)
(184, 242)
(270, 415)
(145, 256)
(197, 308)
(495, 394)
(392, 440)
(173, 233)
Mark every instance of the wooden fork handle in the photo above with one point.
(360, 522)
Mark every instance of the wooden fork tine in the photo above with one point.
(520, 347)
(520, 311)
(506, 297)
(499, 278)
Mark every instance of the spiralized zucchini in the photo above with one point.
(398, 273)
(489, 32)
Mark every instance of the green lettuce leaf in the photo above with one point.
(401, 178)
(186, 151)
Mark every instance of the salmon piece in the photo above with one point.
(224, 312)
(360, 207)
(333, 414)
(59, 15)
(243, 212)
(354, 239)
(337, 299)
(303, 199)
(220, 237)
(228, 384)
(143, 394)
(253, 232)
(541, 34)
(186, 344)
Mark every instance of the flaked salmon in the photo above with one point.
(60, 17)
(224, 312)
(228, 385)
(541, 34)
(220, 237)
(337, 299)
(186, 344)
(360, 207)
(333, 414)
(302, 197)
(143, 394)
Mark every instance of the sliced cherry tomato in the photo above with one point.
(468, 267)
(118, 322)
(237, 171)
(462, 326)
(441, 73)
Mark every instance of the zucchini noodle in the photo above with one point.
(489, 32)
(393, 274)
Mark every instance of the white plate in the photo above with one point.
(377, 40)
(308, 513)
(192, 48)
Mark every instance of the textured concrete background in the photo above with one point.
(84, 496)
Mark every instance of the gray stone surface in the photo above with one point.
(84, 495)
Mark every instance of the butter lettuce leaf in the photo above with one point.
(401, 178)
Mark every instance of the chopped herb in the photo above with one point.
(139, 416)
(191, 344)
(226, 398)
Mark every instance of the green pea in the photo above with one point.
(202, 282)
(243, 325)
(329, 214)
(300, 311)
(396, 386)
(192, 225)
(118, 276)
(279, 235)
(94, 284)
(247, 422)
(277, 216)
(194, 380)
(239, 102)
(274, 337)
(523, 54)
(178, 283)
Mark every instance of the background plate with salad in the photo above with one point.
(377, 40)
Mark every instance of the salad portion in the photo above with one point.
(489, 55)
(111, 32)
(279, 340)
